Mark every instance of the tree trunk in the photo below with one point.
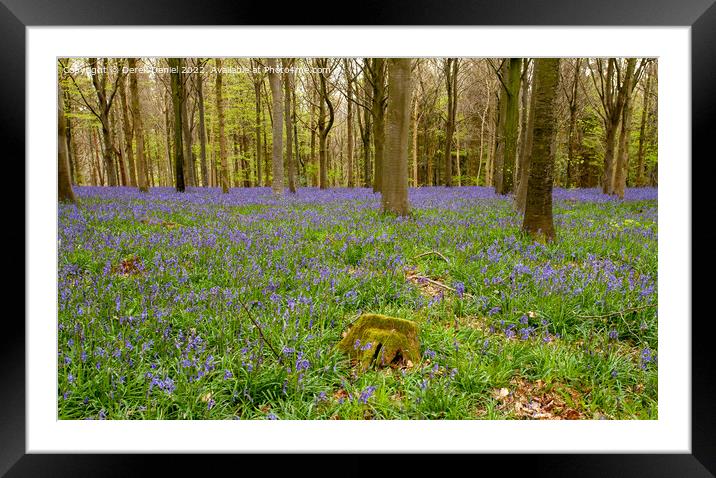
(257, 128)
(521, 196)
(510, 124)
(415, 143)
(538, 210)
(395, 164)
(642, 131)
(620, 173)
(450, 69)
(189, 170)
(378, 70)
(64, 184)
(222, 136)
(324, 127)
(499, 158)
(199, 82)
(290, 160)
(142, 179)
(128, 134)
(277, 121)
(349, 121)
(524, 113)
(572, 143)
(177, 98)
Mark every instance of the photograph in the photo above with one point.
(357, 238)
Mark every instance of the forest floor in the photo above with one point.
(152, 326)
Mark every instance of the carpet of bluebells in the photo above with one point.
(160, 296)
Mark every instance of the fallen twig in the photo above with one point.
(439, 284)
(437, 253)
(261, 334)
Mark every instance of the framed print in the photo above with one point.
(267, 352)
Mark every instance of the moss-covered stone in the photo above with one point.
(379, 341)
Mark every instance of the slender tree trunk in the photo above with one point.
(257, 128)
(572, 144)
(64, 184)
(450, 68)
(415, 142)
(642, 131)
(395, 164)
(189, 170)
(277, 121)
(128, 134)
(521, 196)
(314, 158)
(290, 161)
(538, 220)
(512, 80)
(367, 127)
(524, 113)
(324, 127)
(142, 179)
(222, 136)
(349, 121)
(177, 86)
(620, 173)
(378, 69)
(499, 158)
(199, 82)
(485, 114)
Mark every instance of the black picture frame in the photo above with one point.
(700, 15)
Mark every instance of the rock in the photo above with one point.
(379, 341)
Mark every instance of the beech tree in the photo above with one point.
(142, 180)
(177, 86)
(538, 208)
(277, 145)
(222, 136)
(394, 196)
(64, 185)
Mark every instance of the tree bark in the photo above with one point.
(642, 131)
(224, 172)
(349, 121)
(510, 124)
(199, 82)
(177, 98)
(290, 161)
(394, 195)
(142, 179)
(128, 134)
(324, 127)
(64, 184)
(538, 220)
(450, 70)
(378, 72)
(620, 173)
(277, 121)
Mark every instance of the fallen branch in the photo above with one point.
(261, 334)
(439, 284)
(619, 312)
(437, 253)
